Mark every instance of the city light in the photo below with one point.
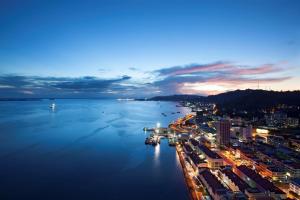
(262, 131)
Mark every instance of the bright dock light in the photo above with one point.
(157, 125)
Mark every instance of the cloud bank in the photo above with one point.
(217, 77)
(201, 79)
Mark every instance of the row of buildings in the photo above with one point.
(226, 182)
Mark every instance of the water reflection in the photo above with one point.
(177, 160)
(156, 154)
(74, 137)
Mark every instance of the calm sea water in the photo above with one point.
(87, 149)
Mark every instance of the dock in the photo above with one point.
(158, 134)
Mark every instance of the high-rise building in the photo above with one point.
(223, 132)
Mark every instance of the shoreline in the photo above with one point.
(189, 182)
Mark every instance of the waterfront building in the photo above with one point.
(196, 161)
(223, 132)
(194, 142)
(237, 185)
(213, 159)
(214, 187)
(192, 157)
(187, 148)
(257, 181)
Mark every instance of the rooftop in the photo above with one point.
(208, 129)
(275, 169)
(209, 153)
(195, 158)
(264, 183)
(293, 165)
(242, 185)
(194, 142)
(188, 148)
(216, 186)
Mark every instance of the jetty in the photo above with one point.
(159, 133)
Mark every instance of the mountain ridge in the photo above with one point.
(241, 99)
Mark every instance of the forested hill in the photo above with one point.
(241, 98)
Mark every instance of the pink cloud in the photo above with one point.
(173, 71)
(201, 68)
(222, 67)
(218, 77)
(241, 80)
(264, 69)
(218, 85)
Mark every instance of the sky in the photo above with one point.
(144, 48)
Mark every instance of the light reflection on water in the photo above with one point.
(177, 160)
(156, 154)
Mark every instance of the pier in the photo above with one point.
(160, 133)
(176, 130)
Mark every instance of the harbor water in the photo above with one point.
(87, 149)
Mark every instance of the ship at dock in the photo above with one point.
(158, 134)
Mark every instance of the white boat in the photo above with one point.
(52, 106)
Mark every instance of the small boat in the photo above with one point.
(164, 114)
(52, 106)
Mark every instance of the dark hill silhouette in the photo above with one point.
(242, 99)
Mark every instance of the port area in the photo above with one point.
(160, 133)
(176, 133)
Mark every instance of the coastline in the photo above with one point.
(194, 195)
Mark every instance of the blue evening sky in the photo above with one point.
(110, 39)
